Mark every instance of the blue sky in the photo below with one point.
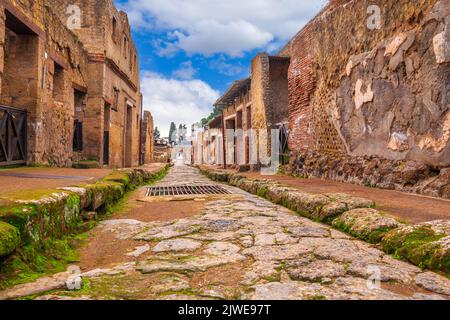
(190, 51)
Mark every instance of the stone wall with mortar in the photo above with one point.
(381, 93)
(88, 74)
(269, 93)
(148, 138)
(115, 102)
(29, 59)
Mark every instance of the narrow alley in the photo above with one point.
(232, 246)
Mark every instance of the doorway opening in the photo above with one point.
(106, 126)
(129, 137)
(79, 103)
(18, 91)
(230, 125)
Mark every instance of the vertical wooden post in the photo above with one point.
(224, 142)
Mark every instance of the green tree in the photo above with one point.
(157, 133)
(172, 132)
(182, 132)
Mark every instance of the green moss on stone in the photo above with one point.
(33, 261)
(263, 191)
(118, 176)
(9, 239)
(42, 214)
(86, 164)
(420, 246)
(45, 219)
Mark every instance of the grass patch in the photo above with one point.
(34, 261)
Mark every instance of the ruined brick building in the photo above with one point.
(365, 103)
(69, 77)
(257, 103)
(148, 138)
(371, 105)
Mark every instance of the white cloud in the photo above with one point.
(186, 71)
(216, 26)
(180, 101)
(222, 66)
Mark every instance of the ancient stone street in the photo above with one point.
(209, 150)
(236, 246)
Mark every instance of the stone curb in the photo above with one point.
(425, 245)
(44, 214)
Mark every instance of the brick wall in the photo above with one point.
(337, 61)
(29, 80)
(47, 70)
(148, 137)
(372, 105)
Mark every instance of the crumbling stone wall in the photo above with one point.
(269, 94)
(148, 138)
(114, 88)
(35, 42)
(381, 94)
(87, 73)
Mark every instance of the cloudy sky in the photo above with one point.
(192, 50)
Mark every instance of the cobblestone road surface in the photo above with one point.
(244, 247)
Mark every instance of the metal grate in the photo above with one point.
(185, 190)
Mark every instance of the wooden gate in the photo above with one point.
(13, 136)
(284, 145)
(106, 147)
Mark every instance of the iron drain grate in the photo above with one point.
(185, 190)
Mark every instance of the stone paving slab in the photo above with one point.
(275, 254)
(426, 245)
(411, 208)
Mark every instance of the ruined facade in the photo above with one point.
(72, 66)
(366, 97)
(373, 108)
(147, 139)
(251, 107)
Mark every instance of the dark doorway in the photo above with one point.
(77, 136)
(18, 89)
(106, 148)
(106, 125)
(239, 139)
(231, 141)
(129, 137)
(247, 137)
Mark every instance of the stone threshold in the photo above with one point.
(426, 245)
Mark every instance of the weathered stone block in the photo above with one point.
(41, 215)
(426, 245)
(305, 203)
(9, 239)
(441, 43)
